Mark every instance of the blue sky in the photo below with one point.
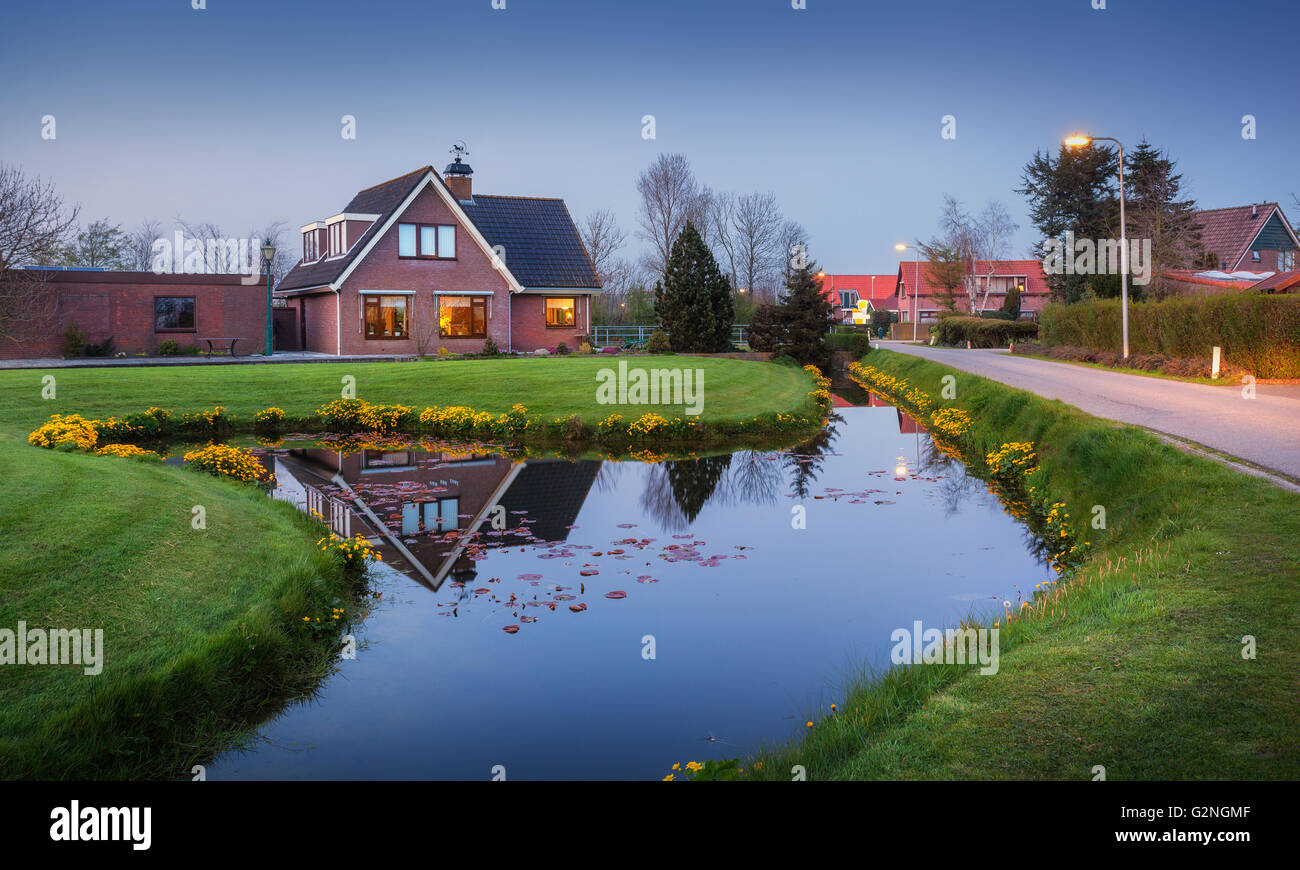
(232, 113)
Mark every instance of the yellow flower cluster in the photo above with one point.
(950, 422)
(124, 450)
(355, 551)
(73, 429)
(1015, 458)
(270, 419)
(896, 390)
(223, 460)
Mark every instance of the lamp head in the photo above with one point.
(1078, 140)
(268, 252)
(900, 247)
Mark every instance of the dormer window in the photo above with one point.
(427, 241)
(309, 253)
(336, 239)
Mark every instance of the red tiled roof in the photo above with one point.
(1228, 232)
(1194, 276)
(1032, 270)
(1280, 283)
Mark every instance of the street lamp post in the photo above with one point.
(268, 254)
(915, 290)
(1080, 141)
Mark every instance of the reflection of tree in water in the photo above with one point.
(805, 461)
(677, 490)
(693, 481)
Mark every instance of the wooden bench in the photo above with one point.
(215, 338)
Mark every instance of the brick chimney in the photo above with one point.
(458, 176)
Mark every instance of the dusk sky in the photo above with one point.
(231, 114)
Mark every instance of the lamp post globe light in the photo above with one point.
(917, 289)
(1079, 140)
(268, 254)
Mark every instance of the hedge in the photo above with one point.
(1259, 333)
(981, 331)
(857, 342)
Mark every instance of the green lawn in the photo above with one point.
(552, 386)
(201, 626)
(1140, 668)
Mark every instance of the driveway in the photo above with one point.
(1264, 430)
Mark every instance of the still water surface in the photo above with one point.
(756, 625)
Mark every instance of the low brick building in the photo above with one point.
(421, 262)
(137, 310)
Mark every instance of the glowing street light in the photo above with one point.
(1078, 140)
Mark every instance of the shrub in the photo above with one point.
(269, 421)
(342, 415)
(658, 342)
(223, 460)
(857, 343)
(563, 349)
(982, 332)
(105, 348)
(1258, 332)
(585, 348)
(74, 343)
(71, 431)
(490, 347)
(170, 347)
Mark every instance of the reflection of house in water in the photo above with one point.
(434, 512)
(906, 425)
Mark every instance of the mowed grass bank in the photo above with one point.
(200, 639)
(1136, 664)
(553, 387)
(201, 627)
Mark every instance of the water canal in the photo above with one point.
(735, 625)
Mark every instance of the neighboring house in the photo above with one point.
(995, 278)
(1254, 237)
(422, 262)
(139, 311)
(845, 292)
(1191, 282)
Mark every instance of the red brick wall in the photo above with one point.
(120, 305)
(383, 270)
(528, 323)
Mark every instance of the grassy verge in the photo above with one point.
(1136, 663)
(733, 390)
(200, 630)
(1224, 381)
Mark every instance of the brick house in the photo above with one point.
(845, 292)
(995, 278)
(139, 311)
(1257, 238)
(421, 262)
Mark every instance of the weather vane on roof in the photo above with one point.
(459, 150)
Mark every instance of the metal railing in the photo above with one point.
(614, 336)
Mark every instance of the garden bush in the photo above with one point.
(856, 342)
(982, 331)
(1259, 333)
(658, 342)
(169, 347)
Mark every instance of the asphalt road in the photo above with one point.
(1264, 430)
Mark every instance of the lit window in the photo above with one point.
(172, 313)
(560, 311)
(462, 316)
(385, 317)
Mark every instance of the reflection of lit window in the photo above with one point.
(385, 317)
(386, 459)
(435, 515)
(462, 316)
(560, 311)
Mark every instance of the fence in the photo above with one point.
(607, 336)
(333, 512)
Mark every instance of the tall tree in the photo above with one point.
(693, 301)
(1074, 191)
(101, 245)
(945, 269)
(670, 195)
(1154, 211)
(34, 227)
(798, 323)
